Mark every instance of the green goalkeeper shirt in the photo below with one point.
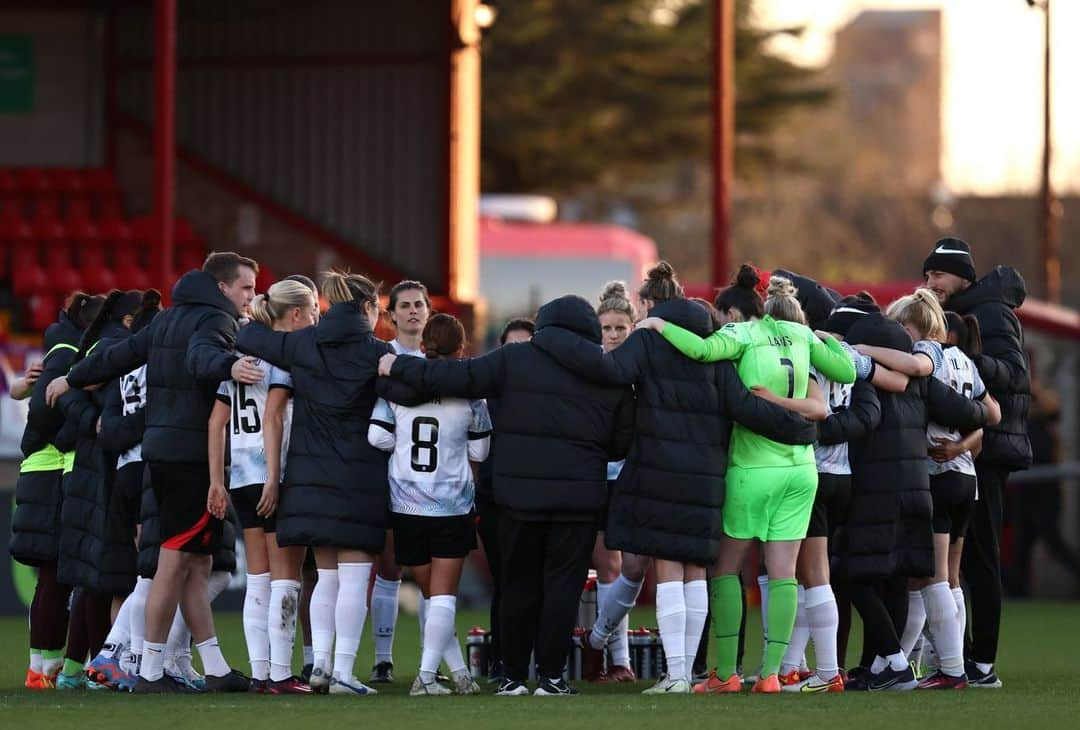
(777, 355)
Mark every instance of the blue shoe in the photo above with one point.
(68, 681)
(105, 671)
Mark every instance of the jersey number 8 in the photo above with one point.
(425, 440)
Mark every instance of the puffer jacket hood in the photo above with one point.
(197, 287)
(685, 313)
(817, 301)
(344, 322)
(1004, 284)
(879, 331)
(62, 330)
(572, 313)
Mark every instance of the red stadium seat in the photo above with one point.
(71, 185)
(15, 234)
(115, 231)
(49, 231)
(37, 187)
(265, 278)
(27, 275)
(130, 276)
(188, 258)
(41, 312)
(11, 200)
(60, 271)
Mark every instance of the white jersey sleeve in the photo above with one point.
(479, 431)
(381, 426)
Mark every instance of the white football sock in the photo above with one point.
(309, 655)
(153, 661)
(961, 610)
(214, 664)
(671, 619)
(945, 627)
(614, 609)
(800, 635)
(256, 615)
(35, 661)
(696, 598)
(823, 618)
(120, 631)
(619, 644)
(455, 660)
(421, 615)
(916, 620)
(323, 604)
(349, 615)
(179, 639)
(438, 633)
(984, 667)
(384, 612)
(898, 662)
(284, 602)
(137, 615)
(219, 580)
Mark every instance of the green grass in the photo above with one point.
(1037, 659)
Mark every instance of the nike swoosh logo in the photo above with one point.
(942, 249)
(849, 310)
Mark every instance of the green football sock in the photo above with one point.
(52, 653)
(725, 594)
(783, 603)
(72, 668)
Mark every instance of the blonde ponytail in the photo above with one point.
(922, 311)
(781, 302)
(282, 296)
(341, 286)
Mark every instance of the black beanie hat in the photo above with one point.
(880, 331)
(848, 311)
(952, 256)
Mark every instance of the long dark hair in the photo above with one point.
(742, 295)
(968, 334)
(81, 308)
(117, 305)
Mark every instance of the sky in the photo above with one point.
(993, 89)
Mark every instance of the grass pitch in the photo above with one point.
(1040, 644)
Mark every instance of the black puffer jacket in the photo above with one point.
(336, 492)
(889, 528)
(1003, 364)
(668, 499)
(188, 351)
(35, 525)
(87, 487)
(557, 430)
(42, 422)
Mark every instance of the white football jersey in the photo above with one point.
(955, 369)
(247, 404)
(133, 395)
(432, 445)
(832, 459)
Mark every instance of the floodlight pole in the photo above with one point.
(1048, 214)
(723, 142)
(164, 141)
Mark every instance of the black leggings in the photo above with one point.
(49, 611)
(89, 624)
(883, 608)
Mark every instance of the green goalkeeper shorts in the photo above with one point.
(769, 503)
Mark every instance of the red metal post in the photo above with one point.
(723, 135)
(164, 141)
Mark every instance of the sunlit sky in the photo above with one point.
(992, 62)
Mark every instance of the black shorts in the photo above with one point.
(181, 490)
(126, 502)
(419, 539)
(245, 500)
(830, 504)
(954, 503)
